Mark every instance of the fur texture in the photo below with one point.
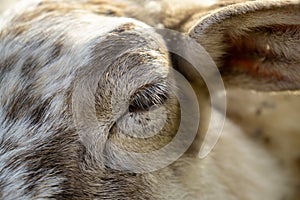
(79, 80)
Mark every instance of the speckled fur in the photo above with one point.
(49, 50)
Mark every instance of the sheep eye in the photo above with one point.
(147, 97)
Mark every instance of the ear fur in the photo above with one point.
(255, 44)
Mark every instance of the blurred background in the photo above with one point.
(4, 4)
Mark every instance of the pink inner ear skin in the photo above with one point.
(268, 53)
(253, 58)
(253, 68)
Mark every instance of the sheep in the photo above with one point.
(91, 95)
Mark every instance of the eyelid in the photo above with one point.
(148, 96)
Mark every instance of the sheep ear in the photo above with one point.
(256, 44)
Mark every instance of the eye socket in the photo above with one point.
(147, 97)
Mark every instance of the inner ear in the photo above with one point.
(268, 56)
(255, 44)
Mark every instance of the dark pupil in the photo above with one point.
(147, 97)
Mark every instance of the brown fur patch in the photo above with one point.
(21, 103)
(29, 68)
(7, 64)
(56, 51)
(123, 28)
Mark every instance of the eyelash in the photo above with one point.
(148, 96)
